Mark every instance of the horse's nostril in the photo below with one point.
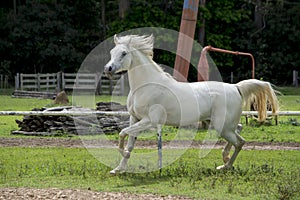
(110, 68)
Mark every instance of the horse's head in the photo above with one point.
(121, 54)
(120, 58)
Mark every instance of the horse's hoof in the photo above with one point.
(223, 167)
(220, 167)
(117, 171)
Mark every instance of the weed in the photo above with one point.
(289, 187)
(230, 187)
(3, 172)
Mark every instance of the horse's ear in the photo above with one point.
(116, 39)
(151, 37)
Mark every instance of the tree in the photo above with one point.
(273, 39)
(53, 35)
(48, 36)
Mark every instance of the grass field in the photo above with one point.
(257, 174)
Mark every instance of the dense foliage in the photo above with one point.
(56, 35)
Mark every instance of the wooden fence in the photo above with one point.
(37, 82)
(56, 82)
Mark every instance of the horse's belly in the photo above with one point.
(188, 112)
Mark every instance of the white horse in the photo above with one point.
(156, 98)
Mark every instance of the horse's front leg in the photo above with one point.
(123, 135)
(133, 132)
(126, 155)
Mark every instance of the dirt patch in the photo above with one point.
(76, 143)
(53, 193)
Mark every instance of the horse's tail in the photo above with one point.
(261, 93)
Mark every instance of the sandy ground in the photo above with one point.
(53, 193)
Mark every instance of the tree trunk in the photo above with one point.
(201, 34)
(103, 17)
(124, 6)
(258, 19)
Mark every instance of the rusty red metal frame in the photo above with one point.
(203, 68)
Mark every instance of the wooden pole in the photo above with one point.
(185, 39)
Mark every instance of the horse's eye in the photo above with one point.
(124, 53)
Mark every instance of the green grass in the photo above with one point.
(257, 174)
(280, 133)
(289, 90)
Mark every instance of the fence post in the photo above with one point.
(98, 84)
(110, 86)
(21, 81)
(122, 86)
(6, 81)
(38, 82)
(295, 78)
(47, 82)
(58, 81)
(63, 81)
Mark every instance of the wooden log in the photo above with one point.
(82, 122)
(28, 133)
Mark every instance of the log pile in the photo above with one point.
(73, 125)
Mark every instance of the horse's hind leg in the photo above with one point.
(237, 141)
(226, 151)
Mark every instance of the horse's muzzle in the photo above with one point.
(109, 71)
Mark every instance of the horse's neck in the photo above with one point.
(143, 70)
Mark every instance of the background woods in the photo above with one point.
(43, 36)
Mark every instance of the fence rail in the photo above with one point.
(246, 114)
(70, 81)
(123, 113)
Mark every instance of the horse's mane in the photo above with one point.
(142, 43)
